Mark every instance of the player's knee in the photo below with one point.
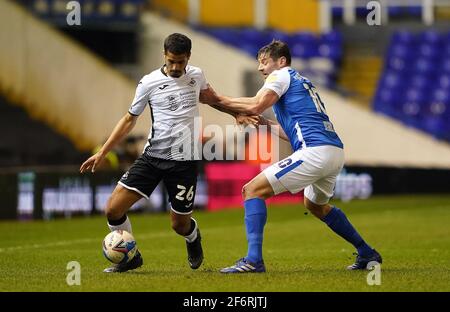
(251, 190)
(320, 211)
(113, 212)
(248, 191)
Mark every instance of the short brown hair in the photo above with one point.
(275, 50)
(177, 44)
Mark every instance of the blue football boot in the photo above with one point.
(363, 263)
(245, 266)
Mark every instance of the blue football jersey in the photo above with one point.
(300, 111)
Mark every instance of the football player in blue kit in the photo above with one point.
(317, 159)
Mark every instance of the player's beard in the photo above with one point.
(175, 74)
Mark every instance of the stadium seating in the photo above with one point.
(28, 142)
(316, 56)
(394, 11)
(415, 84)
(105, 11)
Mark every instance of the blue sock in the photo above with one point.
(255, 219)
(339, 223)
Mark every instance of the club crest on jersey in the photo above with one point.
(192, 83)
(173, 103)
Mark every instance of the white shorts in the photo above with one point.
(313, 168)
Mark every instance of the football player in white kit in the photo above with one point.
(172, 93)
(317, 159)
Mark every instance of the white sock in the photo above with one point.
(193, 236)
(125, 226)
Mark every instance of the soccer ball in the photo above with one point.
(119, 247)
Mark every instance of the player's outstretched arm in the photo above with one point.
(264, 99)
(123, 127)
(209, 96)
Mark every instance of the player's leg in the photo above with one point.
(187, 227)
(117, 206)
(181, 182)
(254, 194)
(139, 181)
(272, 181)
(316, 200)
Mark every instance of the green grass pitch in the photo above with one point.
(301, 253)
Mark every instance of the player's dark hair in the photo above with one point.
(275, 50)
(177, 44)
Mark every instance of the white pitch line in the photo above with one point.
(73, 242)
(92, 240)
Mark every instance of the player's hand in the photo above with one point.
(92, 162)
(244, 120)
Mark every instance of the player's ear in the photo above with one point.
(282, 61)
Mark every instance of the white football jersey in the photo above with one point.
(173, 106)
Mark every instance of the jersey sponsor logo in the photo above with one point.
(173, 103)
(163, 87)
(272, 78)
(328, 126)
(192, 83)
(125, 176)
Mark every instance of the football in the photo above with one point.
(119, 246)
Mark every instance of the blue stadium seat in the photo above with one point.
(337, 12)
(391, 79)
(401, 50)
(424, 66)
(255, 37)
(441, 96)
(332, 37)
(403, 36)
(415, 95)
(443, 81)
(431, 36)
(445, 65)
(330, 51)
(304, 51)
(398, 64)
(226, 35)
(394, 11)
(429, 50)
(279, 35)
(387, 101)
(421, 81)
(318, 55)
(415, 84)
(415, 10)
(362, 11)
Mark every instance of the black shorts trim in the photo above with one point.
(132, 189)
